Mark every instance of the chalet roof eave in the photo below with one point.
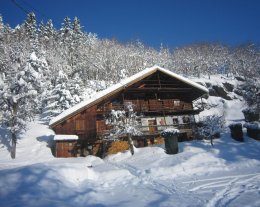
(117, 88)
(183, 79)
(100, 96)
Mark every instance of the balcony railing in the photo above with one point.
(143, 106)
(151, 129)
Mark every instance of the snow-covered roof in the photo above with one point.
(65, 137)
(121, 85)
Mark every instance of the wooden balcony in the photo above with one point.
(167, 106)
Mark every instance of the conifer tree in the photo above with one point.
(17, 98)
(30, 26)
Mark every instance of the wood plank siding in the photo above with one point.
(159, 99)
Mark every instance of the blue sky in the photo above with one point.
(174, 23)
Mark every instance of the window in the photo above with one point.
(176, 102)
(80, 125)
(175, 120)
(186, 119)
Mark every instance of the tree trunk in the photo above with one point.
(211, 140)
(13, 150)
(130, 143)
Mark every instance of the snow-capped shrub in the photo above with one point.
(123, 123)
(211, 127)
(251, 114)
(251, 93)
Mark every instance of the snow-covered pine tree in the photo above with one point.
(2, 45)
(64, 94)
(76, 56)
(65, 45)
(17, 98)
(31, 35)
(40, 72)
(1, 30)
(47, 35)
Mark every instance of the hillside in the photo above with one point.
(226, 174)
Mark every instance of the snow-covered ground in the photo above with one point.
(227, 174)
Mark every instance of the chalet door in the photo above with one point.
(152, 126)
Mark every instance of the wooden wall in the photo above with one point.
(82, 124)
(154, 96)
(66, 148)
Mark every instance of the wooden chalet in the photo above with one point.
(160, 97)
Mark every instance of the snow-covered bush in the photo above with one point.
(251, 93)
(251, 114)
(124, 123)
(210, 127)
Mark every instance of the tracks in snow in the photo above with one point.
(169, 187)
(230, 187)
(226, 188)
(219, 181)
(145, 178)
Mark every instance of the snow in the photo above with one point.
(170, 131)
(225, 174)
(117, 87)
(253, 125)
(33, 57)
(65, 137)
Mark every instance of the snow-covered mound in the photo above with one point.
(223, 98)
(32, 147)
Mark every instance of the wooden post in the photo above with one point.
(164, 118)
(194, 126)
(159, 81)
(123, 96)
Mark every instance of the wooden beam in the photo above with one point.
(158, 89)
(158, 76)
